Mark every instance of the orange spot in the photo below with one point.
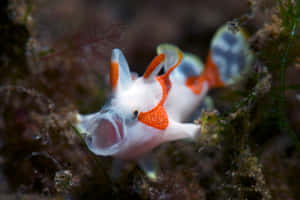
(155, 62)
(114, 74)
(210, 74)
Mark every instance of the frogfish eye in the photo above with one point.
(135, 113)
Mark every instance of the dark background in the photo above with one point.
(54, 62)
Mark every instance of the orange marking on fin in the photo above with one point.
(165, 84)
(195, 83)
(154, 63)
(210, 74)
(176, 65)
(158, 117)
(114, 74)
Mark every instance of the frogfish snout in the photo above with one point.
(104, 132)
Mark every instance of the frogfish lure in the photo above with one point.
(144, 112)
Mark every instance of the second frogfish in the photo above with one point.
(144, 112)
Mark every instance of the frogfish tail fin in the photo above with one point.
(229, 58)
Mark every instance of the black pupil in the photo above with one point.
(136, 113)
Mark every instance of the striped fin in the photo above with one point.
(155, 66)
(173, 57)
(191, 65)
(231, 54)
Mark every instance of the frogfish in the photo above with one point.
(147, 111)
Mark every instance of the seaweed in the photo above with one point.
(281, 53)
(290, 14)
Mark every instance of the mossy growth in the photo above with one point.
(240, 171)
